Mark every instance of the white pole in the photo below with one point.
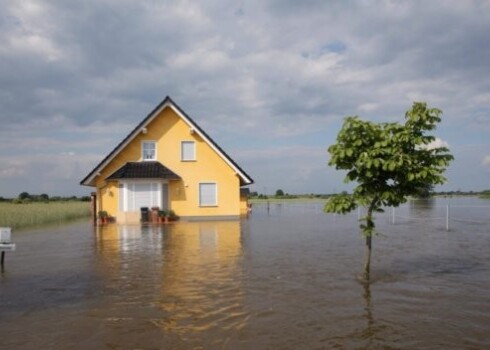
(447, 217)
(393, 215)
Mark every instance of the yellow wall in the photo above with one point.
(243, 205)
(168, 130)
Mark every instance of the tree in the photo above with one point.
(389, 161)
(425, 191)
(279, 193)
(24, 195)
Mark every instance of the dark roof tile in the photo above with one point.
(144, 170)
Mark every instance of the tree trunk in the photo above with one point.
(367, 264)
(369, 240)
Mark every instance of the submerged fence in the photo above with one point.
(440, 211)
(442, 214)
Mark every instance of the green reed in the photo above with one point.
(39, 213)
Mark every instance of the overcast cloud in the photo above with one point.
(270, 81)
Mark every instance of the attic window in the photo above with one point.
(149, 150)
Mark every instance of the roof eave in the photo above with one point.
(90, 178)
(246, 179)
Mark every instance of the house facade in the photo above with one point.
(169, 162)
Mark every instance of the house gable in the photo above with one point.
(131, 145)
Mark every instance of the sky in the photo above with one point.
(269, 80)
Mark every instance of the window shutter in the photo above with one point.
(139, 195)
(188, 150)
(208, 194)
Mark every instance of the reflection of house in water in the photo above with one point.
(189, 272)
(213, 237)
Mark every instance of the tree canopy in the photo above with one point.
(389, 161)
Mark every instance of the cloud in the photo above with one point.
(367, 107)
(437, 143)
(77, 77)
(486, 162)
(55, 174)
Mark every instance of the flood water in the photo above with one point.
(284, 278)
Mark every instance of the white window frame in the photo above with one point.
(148, 142)
(182, 153)
(208, 204)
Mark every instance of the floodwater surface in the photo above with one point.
(283, 278)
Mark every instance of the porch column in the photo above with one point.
(93, 207)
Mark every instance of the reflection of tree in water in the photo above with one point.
(421, 207)
(373, 333)
(369, 332)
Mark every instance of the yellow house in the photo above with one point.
(169, 162)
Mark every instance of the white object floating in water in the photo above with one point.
(5, 235)
(6, 239)
(7, 247)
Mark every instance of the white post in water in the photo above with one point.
(447, 217)
(5, 244)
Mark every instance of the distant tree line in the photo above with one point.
(280, 194)
(485, 194)
(25, 197)
(426, 192)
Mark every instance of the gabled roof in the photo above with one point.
(144, 170)
(245, 179)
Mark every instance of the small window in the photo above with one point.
(208, 194)
(188, 151)
(149, 150)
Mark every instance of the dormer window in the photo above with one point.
(149, 150)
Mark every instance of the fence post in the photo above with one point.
(393, 215)
(447, 217)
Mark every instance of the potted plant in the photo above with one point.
(103, 217)
(172, 216)
(162, 216)
(154, 214)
